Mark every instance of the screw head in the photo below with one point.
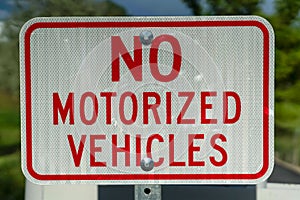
(146, 37)
(147, 164)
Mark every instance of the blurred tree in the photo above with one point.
(224, 7)
(27, 9)
(195, 6)
(9, 67)
(286, 24)
(287, 10)
(233, 7)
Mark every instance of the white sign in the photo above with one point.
(159, 100)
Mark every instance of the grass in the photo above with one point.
(9, 116)
(11, 177)
(9, 137)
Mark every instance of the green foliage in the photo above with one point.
(224, 7)
(194, 6)
(287, 10)
(287, 70)
(287, 80)
(9, 111)
(47, 8)
(287, 147)
(9, 123)
(9, 70)
(287, 115)
(11, 178)
(229, 7)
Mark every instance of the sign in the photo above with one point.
(186, 100)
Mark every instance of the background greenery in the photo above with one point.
(286, 23)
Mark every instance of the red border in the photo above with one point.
(106, 177)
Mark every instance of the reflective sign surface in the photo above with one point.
(133, 100)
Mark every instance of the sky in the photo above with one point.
(154, 7)
(141, 7)
(5, 8)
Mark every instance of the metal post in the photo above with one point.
(147, 192)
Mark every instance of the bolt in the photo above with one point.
(146, 37)
(147, 164)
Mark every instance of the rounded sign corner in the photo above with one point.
(27, 26)
(265, 173)
(265, 21)
(32, 176)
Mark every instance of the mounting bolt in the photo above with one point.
(146, 37)
(147, 164)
